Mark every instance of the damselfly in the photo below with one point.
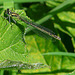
(33, 24)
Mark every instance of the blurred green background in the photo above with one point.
(57, 56)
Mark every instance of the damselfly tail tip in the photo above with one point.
(58, 38)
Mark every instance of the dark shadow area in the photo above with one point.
(66, 39)
(28, 4)
(24, 5)
(6, 72)
(1, 8)
(37, 11)
(70, 8)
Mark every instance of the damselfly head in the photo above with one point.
(7, 11)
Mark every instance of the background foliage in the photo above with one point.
(39, 55)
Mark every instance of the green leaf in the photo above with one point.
(9, 4)
(60, 53)
(18, 1)
(13, 47)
